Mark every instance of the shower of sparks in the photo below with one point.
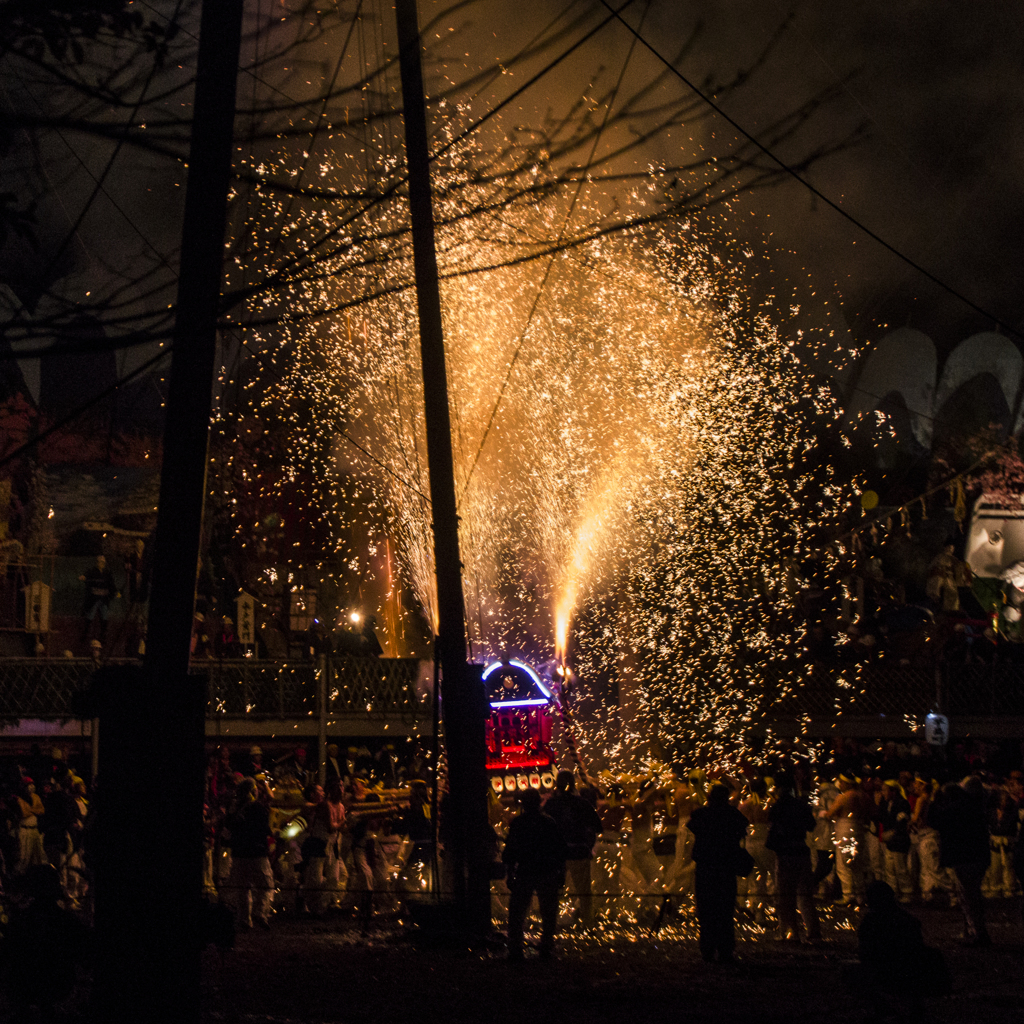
(640, 496)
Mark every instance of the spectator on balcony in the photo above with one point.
(369, 644)
(225, 642)
(318, 641)
(99, 592)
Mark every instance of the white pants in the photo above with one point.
(251, 889)
(325, 880)
(606, 880)
(30, 848)
(850, 857)
(897, 872)
(1000, 879)
(875, 860)
(761, 880)
(926, 842)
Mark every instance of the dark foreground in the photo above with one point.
(326, 972)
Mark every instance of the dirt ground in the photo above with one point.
(328, 973)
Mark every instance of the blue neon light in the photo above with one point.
(518, 703)
(526, 668)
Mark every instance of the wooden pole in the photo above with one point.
(462, 697)
(170, 707)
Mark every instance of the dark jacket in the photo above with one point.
(789, 821)
(718, 830)
(963, 830)
(250, 830)
(534, 850)
(895, 824)
(579, 822)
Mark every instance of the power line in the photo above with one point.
(82, 409)
(98, 182)
(795, 174)
(551, 262)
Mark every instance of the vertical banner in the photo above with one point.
(246, 618)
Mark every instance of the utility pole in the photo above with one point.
(155, 973)
(462, 695)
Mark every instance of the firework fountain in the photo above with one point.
(632, 430)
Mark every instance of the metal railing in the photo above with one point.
(893, 689)
(45, 688)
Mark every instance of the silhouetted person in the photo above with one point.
(43, 946)
(894, 961)
(252, 881)
(960, 818)
(535, 855)
(790, 818)
(100, 590)
(580, 825)
(718, 830)
(369, 644)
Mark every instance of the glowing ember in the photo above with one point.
(633, 434)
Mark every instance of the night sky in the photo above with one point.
(933, 87)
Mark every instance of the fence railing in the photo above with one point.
(238, 688)
(891, 689)
(392, 687)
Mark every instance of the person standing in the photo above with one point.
(99, 591)
(851, 813)
(336, 769)
(30, 839)
(535, 856)
(790, 818)
(1003, 825)
(252, 880)
(580, 825)
(323, 877)
(894, 834)
(924, 840)
(964, 848)
(754, 807)
(718, 829)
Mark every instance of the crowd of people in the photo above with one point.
(45, 803)
(774, 843)
(274, 834)
(776, 846)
